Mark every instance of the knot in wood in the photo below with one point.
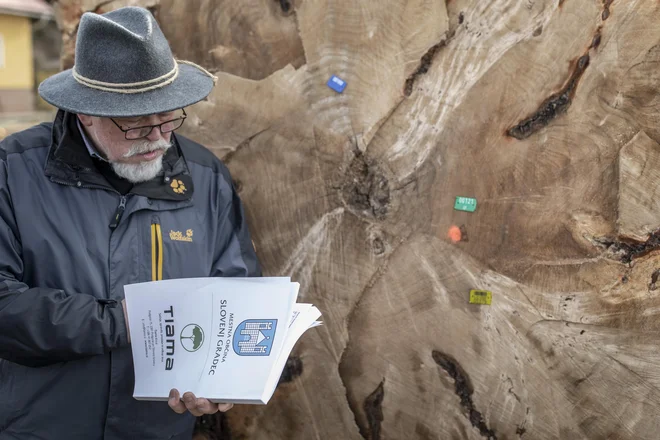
(366, 190)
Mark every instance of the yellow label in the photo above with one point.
(480, 297)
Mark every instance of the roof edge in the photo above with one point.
(29, 14)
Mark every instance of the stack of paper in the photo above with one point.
(224, 339)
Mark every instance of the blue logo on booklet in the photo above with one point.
(254, 337)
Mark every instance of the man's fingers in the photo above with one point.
(224, 407)
(196, 406)
(206, 406)
(190, 401)
(175, 402)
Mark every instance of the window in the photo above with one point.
(2, 52)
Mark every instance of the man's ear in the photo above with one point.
(87, 121)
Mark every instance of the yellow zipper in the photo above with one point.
(156, 252)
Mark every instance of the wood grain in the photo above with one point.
(639, 176)
(544, 111)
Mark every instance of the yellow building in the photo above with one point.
(17, 65)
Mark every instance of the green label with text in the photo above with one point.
(465, 204)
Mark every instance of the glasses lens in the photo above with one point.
(138, 133)
(171, 125)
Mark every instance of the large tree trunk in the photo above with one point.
(545, 111)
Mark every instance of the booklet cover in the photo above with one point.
(224, 339)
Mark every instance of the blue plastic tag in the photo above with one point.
(337, 84)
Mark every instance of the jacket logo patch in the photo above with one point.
(178, 236)
(178, 186)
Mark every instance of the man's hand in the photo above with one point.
(196, 406)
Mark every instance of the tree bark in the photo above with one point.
(544, 111)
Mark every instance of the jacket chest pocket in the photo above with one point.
(176, 249)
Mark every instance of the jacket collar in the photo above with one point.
(70, 163)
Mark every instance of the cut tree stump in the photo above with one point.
(545, 112)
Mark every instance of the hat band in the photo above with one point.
(129, 88)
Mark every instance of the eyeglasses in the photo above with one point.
(144, 131)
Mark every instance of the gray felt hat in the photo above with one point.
(123, 68)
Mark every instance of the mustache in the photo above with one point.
(146, 146)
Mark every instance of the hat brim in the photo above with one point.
(64, 92)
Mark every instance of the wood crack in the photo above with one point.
(285, 5)
(606, 9)
(246, 143)
(627, 250)
(552, 107)
(520, 429)
(426, 62)
(558, 103)
(342, 367)
(373, 408)
(654, 279)
(464, 390)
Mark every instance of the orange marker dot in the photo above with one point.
(454, 234)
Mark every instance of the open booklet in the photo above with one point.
(224, 339)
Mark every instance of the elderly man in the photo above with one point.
(91, 202)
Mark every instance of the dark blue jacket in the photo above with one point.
(68, 244)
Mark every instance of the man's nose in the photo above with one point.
(155, 134)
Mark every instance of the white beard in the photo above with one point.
(141, 172)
